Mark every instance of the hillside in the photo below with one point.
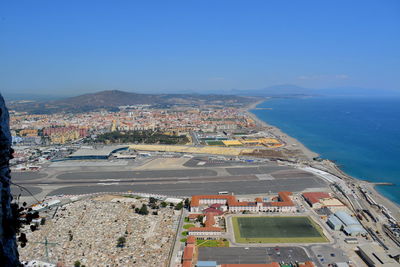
(112, 99)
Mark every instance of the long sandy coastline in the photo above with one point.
(293, 143)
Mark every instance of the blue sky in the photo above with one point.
(70, 47)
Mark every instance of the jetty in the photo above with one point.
(383, 183)
(262, 109)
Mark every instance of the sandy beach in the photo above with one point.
(293, 143)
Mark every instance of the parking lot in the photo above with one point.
(253, 255)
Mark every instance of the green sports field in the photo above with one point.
(274, 229)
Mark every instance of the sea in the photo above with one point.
(361, 134)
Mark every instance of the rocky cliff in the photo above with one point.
(8, 246)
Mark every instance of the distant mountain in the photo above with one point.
(112, 99)
(294, 90)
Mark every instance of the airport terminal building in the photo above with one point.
(96, 153)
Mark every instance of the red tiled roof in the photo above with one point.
(212, 210)
(190, 239)
(307, 264)
(188, 253)
(210, 220)
(314, 197)
(284, 198)
(196, 199)
(187, 264)
(194, 215)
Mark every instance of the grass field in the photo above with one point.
(212, 243)
(214, 143)
(276, 229)
(187, 226)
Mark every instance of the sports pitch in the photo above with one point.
(268, 229)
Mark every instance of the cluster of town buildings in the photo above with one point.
(339, 217)
(61, 128)
(212, 207)
(61, 135)
(282, 203)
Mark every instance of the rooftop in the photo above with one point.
(331, 202)
(283, 197)
(346, 218)
(188, 253)
(377, 254)
(98, 151)
(315, 197)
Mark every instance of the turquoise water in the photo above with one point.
(361, 134)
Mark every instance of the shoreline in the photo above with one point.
(290, 142)
(328, 165)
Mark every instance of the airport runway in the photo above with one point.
(180, 182)
(188, 188)
(256, 170)
(136, 174)
(26, 176)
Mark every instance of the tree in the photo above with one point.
(71, 236)
(152, 200)
(187, 203)
(163, 204)
(121, 242)
(179, 206)
(200, 218)
(77, 264)
(153, 206)
(143, 210)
